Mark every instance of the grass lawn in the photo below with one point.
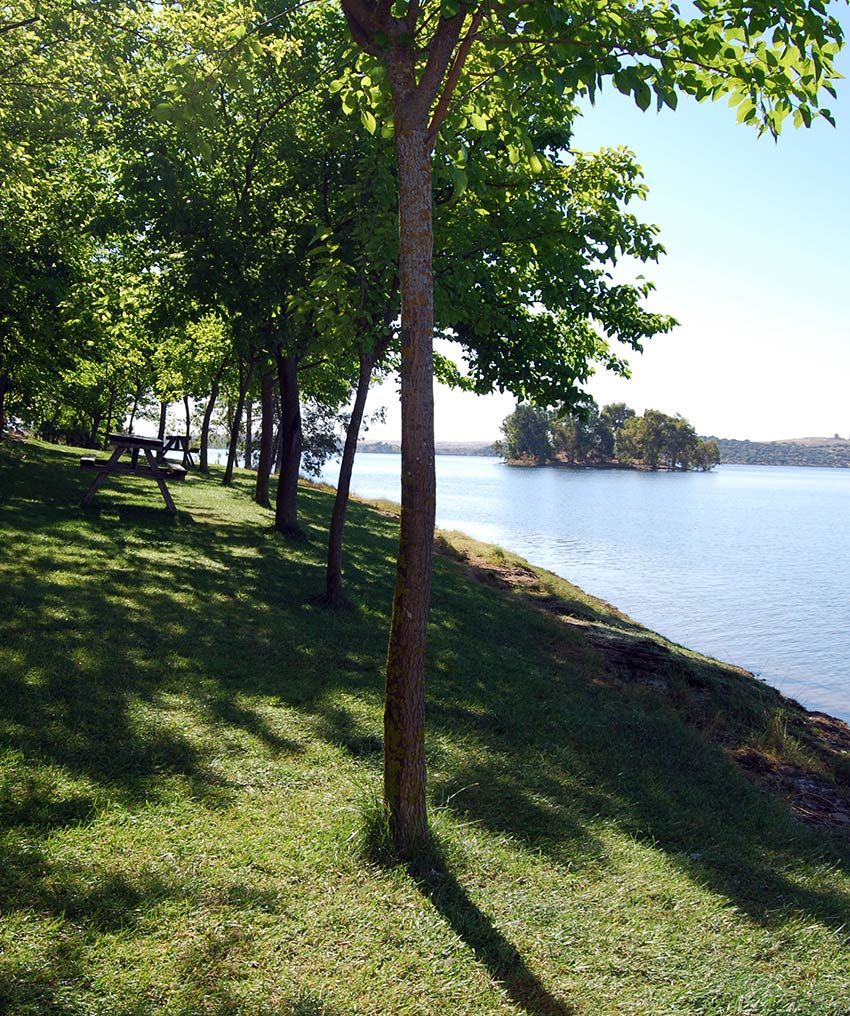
(188, 745)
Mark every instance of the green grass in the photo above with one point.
(191, 749)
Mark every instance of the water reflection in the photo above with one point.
(749, 564)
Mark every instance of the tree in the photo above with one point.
(644, 438)
(526, 433)
(706, 456)
(656, 439)
(770, 59)
(58, 63)
(616, 414)
(523, 273)
(584, 437)
(681, 443)
(243, 174)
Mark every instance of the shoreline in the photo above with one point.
(794, 682)
(789, 767)
(393, 509)
(804, 757)
(475, 450)
(632, 467)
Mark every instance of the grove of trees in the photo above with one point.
(614, 435)
(258, 207)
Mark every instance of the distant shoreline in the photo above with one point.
(482, 448)
(814, 452)
(832, 453)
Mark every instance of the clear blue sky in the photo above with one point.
(757, 271)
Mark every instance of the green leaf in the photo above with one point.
(369, 121)
(461, 182)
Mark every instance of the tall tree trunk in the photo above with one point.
(110, 409)
(249, 437)
(278, 447)
(246, 375)
(286, 507)
(136, 397)
(404, 708)
(163, 410)
(188, 431)
(333, 578)
(264, 466)
(4, 387)
(95, 427)
(204, 465)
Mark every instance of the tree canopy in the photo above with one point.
(208, 201)
(612, 436)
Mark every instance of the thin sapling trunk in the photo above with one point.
(137, 395)
(286, 507)
(249, 437)
(204, 465)
(245, 377)
(333, 577)
(404, 707)
(264, 466)
(188, 431)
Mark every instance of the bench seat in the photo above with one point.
(170, 470)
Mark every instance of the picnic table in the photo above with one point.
(179, 443)
(128, 444)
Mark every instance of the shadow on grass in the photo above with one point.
(97, 899)
(133, 644)
(499, 956)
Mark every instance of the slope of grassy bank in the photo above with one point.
(189, 744)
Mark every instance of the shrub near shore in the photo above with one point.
(188, 742)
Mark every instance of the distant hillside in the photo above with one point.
(442, 447)
(802, 451)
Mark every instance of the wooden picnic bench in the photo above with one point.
(178, 443)
(156, 469)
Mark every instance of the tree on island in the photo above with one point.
(527, 437)
(616, 414)
(656, 440)
(534, 435)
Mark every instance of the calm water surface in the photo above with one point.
(747, 563)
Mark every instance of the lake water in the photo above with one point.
(747, 563)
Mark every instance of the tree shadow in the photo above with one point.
(121, 626)
(499, 956)
(95, 900)
(556, 748)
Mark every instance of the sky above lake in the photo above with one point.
(757, 272)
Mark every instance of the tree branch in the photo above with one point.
(24, 23)
(360, 16)
(454, 74)
(412, 15)
(440, 51)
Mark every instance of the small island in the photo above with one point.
(613, 437)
